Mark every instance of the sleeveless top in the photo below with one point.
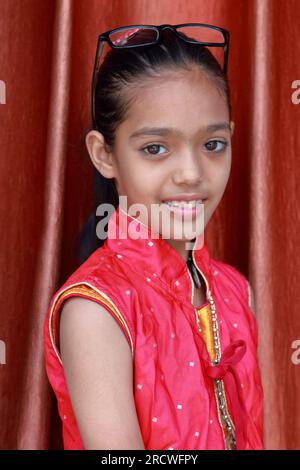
(197, 382)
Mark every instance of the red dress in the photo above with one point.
(197, 382)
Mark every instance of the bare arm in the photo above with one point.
(98, 367)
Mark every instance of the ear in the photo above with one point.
(232, 127)
(100, 154)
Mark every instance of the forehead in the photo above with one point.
(185, 100)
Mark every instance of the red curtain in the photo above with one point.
(46, 59)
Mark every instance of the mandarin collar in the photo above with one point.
(151, 254)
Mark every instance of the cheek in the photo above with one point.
(218, 179)
(224, 177)
(141, 177)
(135, 181)
(219, 173)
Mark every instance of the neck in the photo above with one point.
(180, 247)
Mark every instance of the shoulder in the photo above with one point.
(235, 278)
(82, 320)
(92, 290)
(104, 270)
(228, 271)
(85, 310)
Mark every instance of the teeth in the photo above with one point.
(188, 204)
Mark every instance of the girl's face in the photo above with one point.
(165, 149)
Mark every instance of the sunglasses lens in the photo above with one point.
(195, 34)
(133, 36)
(201, 33)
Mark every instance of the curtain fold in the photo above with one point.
(35, 416)
(46, 186)
(275, 213)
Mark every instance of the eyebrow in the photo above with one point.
(169, 130)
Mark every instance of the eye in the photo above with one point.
(212, 144)
(153, 149)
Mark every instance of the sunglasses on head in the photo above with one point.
(145, 35)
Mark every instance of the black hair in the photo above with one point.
(122, 68)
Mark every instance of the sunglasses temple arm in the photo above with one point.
(226, 52)
(94, 82)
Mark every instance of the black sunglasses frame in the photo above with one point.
(105, 37)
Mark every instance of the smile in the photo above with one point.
(184, 204)
(184, 208)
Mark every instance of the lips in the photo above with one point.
(184, 209)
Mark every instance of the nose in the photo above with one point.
(189, 169)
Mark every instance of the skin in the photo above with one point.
(182, 161)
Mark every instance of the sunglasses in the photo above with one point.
(145, 35)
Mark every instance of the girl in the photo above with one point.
(151, 343)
